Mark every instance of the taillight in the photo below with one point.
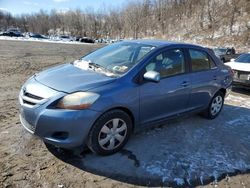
(232, 71)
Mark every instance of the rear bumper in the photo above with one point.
(244, 83)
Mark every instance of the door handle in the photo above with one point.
(184, 84)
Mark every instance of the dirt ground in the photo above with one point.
(24, 159)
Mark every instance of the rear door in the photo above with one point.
(204, 78)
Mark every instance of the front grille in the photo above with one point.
(28, 102)
(32, 96)
(29, 99)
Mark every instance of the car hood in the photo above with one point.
(68, 78)
(239, 66)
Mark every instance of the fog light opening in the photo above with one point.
(60, 135)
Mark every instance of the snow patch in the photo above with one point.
(40, 40)
(179, 181)
(155, 169)
(239, 121)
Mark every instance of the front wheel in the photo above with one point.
(110, 132)
(215, 106)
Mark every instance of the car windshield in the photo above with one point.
(220, 51)
(244, 58)
(117, 58)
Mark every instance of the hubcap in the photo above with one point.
(112, 134)
(216, 105)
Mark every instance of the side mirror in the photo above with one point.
(232, 60)
(152, 76)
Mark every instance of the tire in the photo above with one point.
(215, 106)
(110, 132)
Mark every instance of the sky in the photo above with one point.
(17, 7)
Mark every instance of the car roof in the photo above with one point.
(161, 43)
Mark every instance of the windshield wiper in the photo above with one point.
(95, 66)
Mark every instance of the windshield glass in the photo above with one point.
(244, 58)
(220, 51)
(117, 58)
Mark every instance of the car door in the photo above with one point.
(204, 78)
(170, 95)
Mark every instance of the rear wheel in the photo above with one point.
(110, 132)
(215, 106)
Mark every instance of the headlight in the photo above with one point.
(78, 100)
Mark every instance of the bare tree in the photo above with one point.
(142, 18)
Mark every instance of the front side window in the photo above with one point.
(168, 63)
(200, 60)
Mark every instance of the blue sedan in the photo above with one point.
(101, 99)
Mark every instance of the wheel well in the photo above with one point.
(223, 91)
(127, 111)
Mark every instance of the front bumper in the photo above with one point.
(62, 128)
(30, 128)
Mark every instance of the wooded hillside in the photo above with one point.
(210, 21)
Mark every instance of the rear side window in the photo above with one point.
(200, 60)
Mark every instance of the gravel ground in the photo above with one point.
(24, 159)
